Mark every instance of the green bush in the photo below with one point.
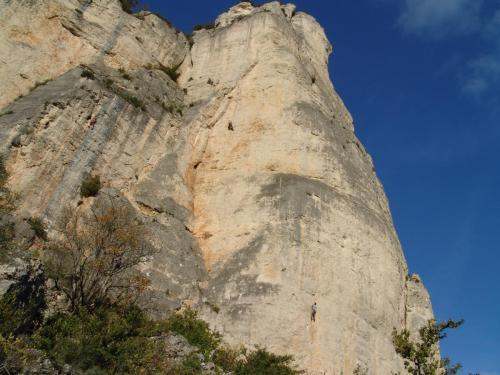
(108, 82)
(195, 330)
(121, 339)
(90, 186)
(14, 355)
(37, 226)
(9, 112)
(262, 362)
(21, 307)
(6, 237)
(128, 5)
(170, 71)
(3, 173)
(227, 357)
(87, 73)
(206, 26)
(191, 365)
(136, 102)
(109, 340)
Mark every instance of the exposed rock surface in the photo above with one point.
(41, 40)
(257, 193)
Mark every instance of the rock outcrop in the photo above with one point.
(258, 196)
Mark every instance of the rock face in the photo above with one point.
(258, 195)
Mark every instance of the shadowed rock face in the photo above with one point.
(258, 195)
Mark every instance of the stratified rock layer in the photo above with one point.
(258, 195)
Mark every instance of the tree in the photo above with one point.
(421, 357)
(93, 260)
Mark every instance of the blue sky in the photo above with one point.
(422, 80)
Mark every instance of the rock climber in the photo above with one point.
(92, 123)
(314, 310)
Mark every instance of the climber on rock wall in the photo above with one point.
(314, 309)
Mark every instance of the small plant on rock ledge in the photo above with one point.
(206, 26)
(37, 226)
(90, 186)
(129, 5)
(87, 73)
(170, 71)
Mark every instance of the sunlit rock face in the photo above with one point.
(256, 192)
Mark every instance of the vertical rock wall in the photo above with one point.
(258, 195)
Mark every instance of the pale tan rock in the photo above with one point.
(259, 196)
(40, 40)
(240, 10)
(418, 305)
(286, 207)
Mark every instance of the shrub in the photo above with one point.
(136, 102)
(190, 40)
(6, 197)
(9, 112)
(93, 260)
(87, 73)
(227, 357)
(129, 5)
(195, 330)
(37, 226)
(6, 237)
(213, 307)
(15, 355)
(173, 108)
(206, 26)
(108, 82)
(191, 365)
(170, 71)
(261, 361)
(21, 307)
(3, 173)
(90, 186)
(359, 370)
(108, 340)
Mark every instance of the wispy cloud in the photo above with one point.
(483, 72)
(437, 19)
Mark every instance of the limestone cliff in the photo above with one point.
(258, 195)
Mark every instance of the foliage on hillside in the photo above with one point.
(421, 355)
(99, 329)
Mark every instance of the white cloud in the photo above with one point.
(484, 72)
(492, 29)
(437, 19)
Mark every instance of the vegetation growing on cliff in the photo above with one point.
(100, 329)
(421, 355)
(4, 192)
(90, 186)
(6, 205)
(128, 5)
(92, 262)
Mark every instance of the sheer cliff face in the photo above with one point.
(259, 197)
